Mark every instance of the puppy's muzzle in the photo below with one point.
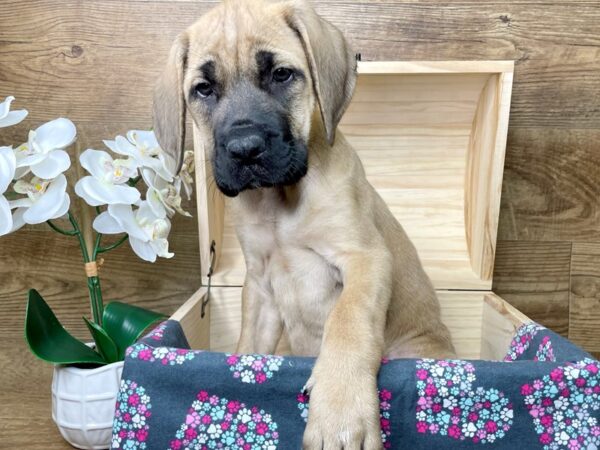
(257, 150)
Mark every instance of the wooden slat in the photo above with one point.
(63, 49)
(461, 312)
(94, 52)
(485, 167)
(584, 326)
(26, 399)
(551, 188)
(210, 204)
(556, 51)
(500, 322)
(534, 278)
(421, 67)
(407, 2)
(226, 318)
(195, 320)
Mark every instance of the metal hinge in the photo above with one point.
(213, 255)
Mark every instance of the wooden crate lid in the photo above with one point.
(432, 138)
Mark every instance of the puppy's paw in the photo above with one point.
(343, 412)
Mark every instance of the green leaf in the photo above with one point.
(48, 340)
(125, 323)
(104, 344)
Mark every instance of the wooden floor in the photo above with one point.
(95, 62)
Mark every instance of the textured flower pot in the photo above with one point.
(83, 404)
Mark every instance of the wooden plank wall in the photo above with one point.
(95, 62)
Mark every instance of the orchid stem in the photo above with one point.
(93, 282)
(86, 256)
(60, 230)
(96, 280)
(98, 238)
(95, 287)
(97, 246)
(112, 246)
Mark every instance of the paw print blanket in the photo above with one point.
(544, 395)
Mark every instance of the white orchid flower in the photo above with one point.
(147, 232)
(163, 198)
(8, 164)
(8, 117)
(107, 183)
(43, 152)
(46, 199)
(143, 147)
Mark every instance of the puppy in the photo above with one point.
(266, 84)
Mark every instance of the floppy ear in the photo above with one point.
(331, 61)
(169, 105)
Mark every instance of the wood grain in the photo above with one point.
(26, 400)
(112, 45)
(534, 277)
(53, 267)
(551, 186)
(211, 206)
(194, 317)
(584, 326)
(484, 172)
(499, 323)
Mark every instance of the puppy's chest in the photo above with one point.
(282, 256)
(300, 282)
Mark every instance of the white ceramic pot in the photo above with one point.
(83, 404)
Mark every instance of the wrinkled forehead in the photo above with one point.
(232, 34)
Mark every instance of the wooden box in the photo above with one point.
(432, 138)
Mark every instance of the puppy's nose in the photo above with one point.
(246, 148)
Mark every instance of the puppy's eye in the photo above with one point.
(204, 89)
(283, 75)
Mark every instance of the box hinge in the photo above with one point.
(206, 299)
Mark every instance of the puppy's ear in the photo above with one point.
(331, 61)
(169, 105)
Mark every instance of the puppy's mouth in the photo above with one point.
(275, 168)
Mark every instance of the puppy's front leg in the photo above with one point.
(261, 321)
(344, 405)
